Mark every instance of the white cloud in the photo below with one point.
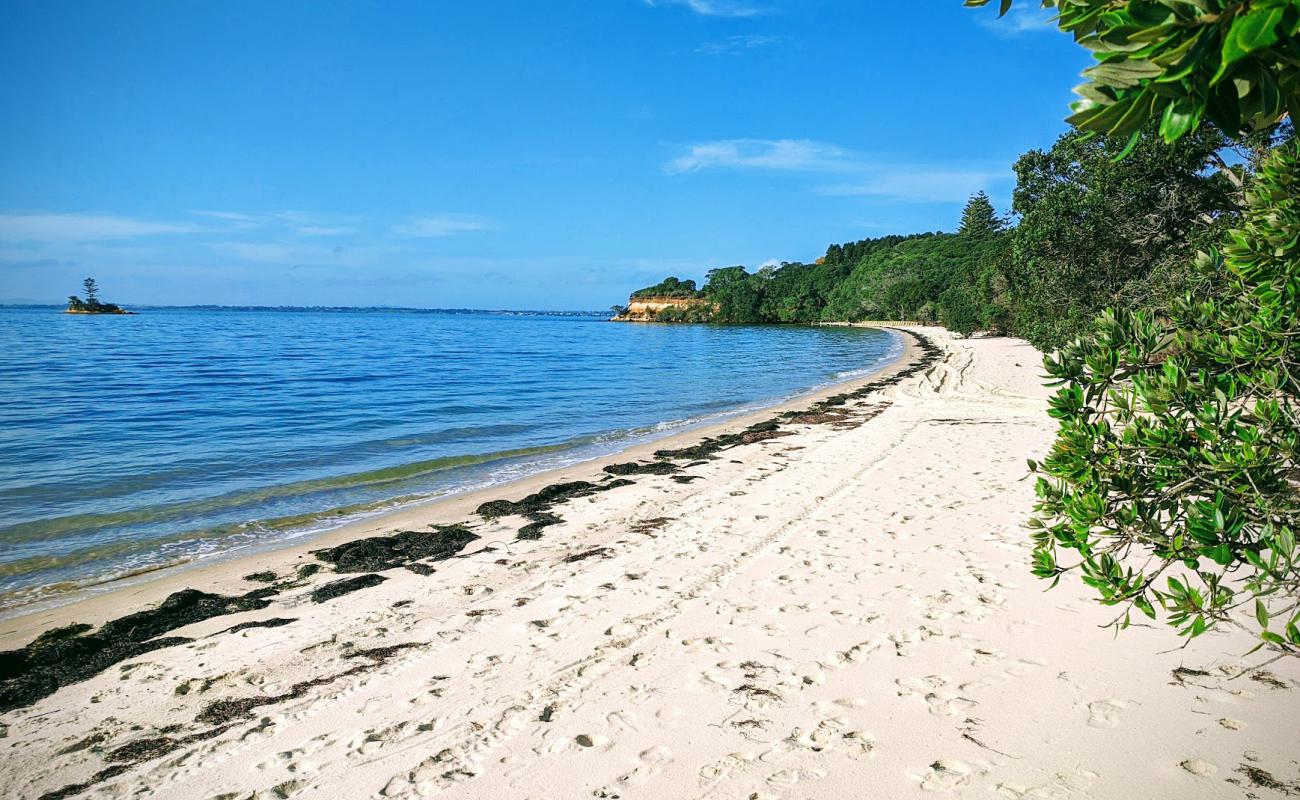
(712, 8)
(235, 218)
(83, 227)
(1023, 18)
(442, 225)
(861, 176)
(296, 221)
(918, 183)
(773, 154)
(735, 45)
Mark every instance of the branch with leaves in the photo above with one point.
(1235, 63)
(1174, 480)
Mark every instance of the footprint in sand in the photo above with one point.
(785, 780)
(948, 775)
(833, 735)
(1063, 786)
(723, 768)
(1199, 767)
(940, 701)
(1105, 713)
(650, 763)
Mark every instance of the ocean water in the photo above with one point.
(127, 443)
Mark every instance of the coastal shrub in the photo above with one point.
(1234, 63)
(1174, 484)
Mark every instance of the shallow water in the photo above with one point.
(132, 442)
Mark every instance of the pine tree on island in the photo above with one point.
(92, 304)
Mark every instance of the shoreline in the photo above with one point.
(223, 572)
(838, 597)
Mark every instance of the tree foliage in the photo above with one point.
(669, 287)
(1235, 63)
(1095, 232)
(1175, 480)
(979, 219)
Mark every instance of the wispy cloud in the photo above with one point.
(84, 227)
(442, 225)
(858, 174)
(917, 183)
(735, 45)
(713, 8)
(1021, 19)
(774, 154)
(296, 221)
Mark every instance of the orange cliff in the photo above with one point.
(647, 309)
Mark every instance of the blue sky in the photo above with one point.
(527, 154)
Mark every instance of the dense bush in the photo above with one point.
(1174, 480)
(1097, 232)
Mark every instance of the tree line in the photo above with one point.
(1086, 231)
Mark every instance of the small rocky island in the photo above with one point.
(92, 304)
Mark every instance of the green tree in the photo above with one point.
(1235, 63)
(1095, 232)
(1174, 481)
(669, 287)
(738, 296)
(92, 291)
(979, 219)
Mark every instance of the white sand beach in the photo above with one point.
(843, 612)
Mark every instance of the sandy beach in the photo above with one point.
(833, 603)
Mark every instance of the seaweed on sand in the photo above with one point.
(273, 622)
(537, 522)
(147, 749)
(586, 554)
(546, 498)
(339, 588)
(643, 468)
(77, 788)
(224, 711)
(402, 549)
(62, 656)
(536, 508)
(709, 447)
(826, 411)
(1264, 779)
(649, 526)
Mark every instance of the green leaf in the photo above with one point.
(1261, 613)
(1180, 118)
(1251, 31)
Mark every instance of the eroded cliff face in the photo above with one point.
(649, 309)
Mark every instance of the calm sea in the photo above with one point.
(131, 442)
